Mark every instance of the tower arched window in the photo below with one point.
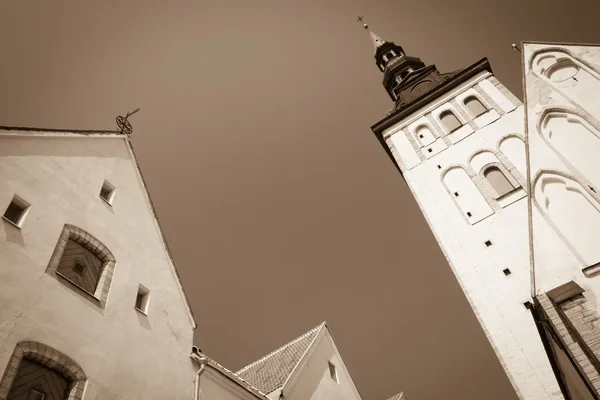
(475, 107)
(498, 181)
(450, 121)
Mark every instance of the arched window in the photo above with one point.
(424, 135)
(450, 122)
(475, 107)
(82, 261)
(498, 181)
(36, 371)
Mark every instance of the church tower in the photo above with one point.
(457, 139)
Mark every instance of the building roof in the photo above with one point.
(399, 396)
(229, 374)
(272, 371)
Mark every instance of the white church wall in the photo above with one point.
(488, 252)
(563, 110)
(124, 353)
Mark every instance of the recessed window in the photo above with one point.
(498, 181)
(469, 214)
(429, 150)
(456, 194)
(475, 107)
(450, 122)
(35, 394)
(332, 371)
(79, 267)
(142, 299)
(439, 167)
(488, 243)
(507, 272)
(16, 211)
(107, 192)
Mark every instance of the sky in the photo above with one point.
(278, 203)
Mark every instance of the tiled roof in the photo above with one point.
(246, 385)
(270, 372)
(399, 396)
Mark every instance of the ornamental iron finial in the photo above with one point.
(123, 124)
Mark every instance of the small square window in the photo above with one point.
(332, 371)
(107, 192)
(142, 299)
(16, 211)
(507, 272)
(79, 267)
(429, 150)
(456, 194)
(469, 214)
(439, 167)
(421, 136)
(488, 243)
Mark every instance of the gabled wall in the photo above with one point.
(124, 353)
(215, 386)
(312, 379)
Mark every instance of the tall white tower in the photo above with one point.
(458, 140)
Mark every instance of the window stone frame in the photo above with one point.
(95, 246)
(50, 358)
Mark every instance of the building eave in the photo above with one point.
(398, 115)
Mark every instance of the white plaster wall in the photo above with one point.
(564, 247)
(215, 386)
(497, 300)
(314, 381)
(124, 353)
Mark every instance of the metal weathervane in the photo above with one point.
(123, 124)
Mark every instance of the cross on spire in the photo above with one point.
(360, 19)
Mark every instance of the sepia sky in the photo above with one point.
(278, 203)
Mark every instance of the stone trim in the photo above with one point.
(588, 119)
(582, 357)
(468, 120)
(439, 131)
(494, 106)
(88, 241)
(507, 93)
(535, 202)
(48, 357)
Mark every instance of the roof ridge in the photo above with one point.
(227, 371)
(31, 129)
(285, 346)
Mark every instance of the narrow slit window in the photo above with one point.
(142, 299)
(107, 192)
(450, 122)
(332, 371)
(475, 107)
(16, 211)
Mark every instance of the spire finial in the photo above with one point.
(360, 19)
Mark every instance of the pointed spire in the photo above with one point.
(377, 41)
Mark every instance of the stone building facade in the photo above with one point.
(91, 306)
(525, 263)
